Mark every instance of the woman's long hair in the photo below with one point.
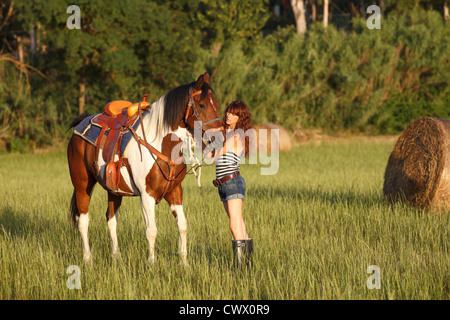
(244, 123)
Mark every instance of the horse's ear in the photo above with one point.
(207, 78)
(198, 85)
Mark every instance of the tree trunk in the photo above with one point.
(20, 55)
(446, 11)
(354, 12)
(20, 49)
(313, 11)
(298, 6)
(325, 12)
(38, 37)
(33, 39)
(82, 96)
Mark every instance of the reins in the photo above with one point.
(154, 152)
(191, 105)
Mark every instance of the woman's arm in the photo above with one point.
(233, 142)
(216, 151)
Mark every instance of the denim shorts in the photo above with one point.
(232, 189)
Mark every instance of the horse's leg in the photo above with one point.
(148, 208)
(83, 183)
(112, 216)
(175, 201)
(199, 173)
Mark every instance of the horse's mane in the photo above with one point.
(166, 111)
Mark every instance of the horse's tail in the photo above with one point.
(78, 120)
(74, 214)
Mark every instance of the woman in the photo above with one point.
(230, 183)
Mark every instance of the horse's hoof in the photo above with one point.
(117, 256)
(184, 261)
(87, 260)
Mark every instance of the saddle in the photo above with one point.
(117, 119)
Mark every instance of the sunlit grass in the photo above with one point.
(317, 225)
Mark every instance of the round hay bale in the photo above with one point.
(265, 144)
(418, 170)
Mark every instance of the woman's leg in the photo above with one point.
(242, 245)
(233, 208)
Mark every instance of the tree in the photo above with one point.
(221, 21)
(121, 51)
(313, 10)
(446, 10)
(325, 12)
(298, 6)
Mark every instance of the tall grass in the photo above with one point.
(317, 225)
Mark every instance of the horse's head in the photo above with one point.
(202, 108)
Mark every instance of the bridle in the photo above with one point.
(153, 151)
(191, 105)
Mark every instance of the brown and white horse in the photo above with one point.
(168, 123)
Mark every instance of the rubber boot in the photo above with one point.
(243, 252)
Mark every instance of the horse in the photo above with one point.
(150, 170)
(196, 163)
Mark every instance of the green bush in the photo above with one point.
(373, 81)
(370, 81)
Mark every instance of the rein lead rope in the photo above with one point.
(153, 151)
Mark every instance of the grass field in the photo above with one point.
(318, 224)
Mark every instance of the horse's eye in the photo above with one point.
(202, 106)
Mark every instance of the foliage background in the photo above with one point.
(343, 78)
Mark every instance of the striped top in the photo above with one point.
(226, 164)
